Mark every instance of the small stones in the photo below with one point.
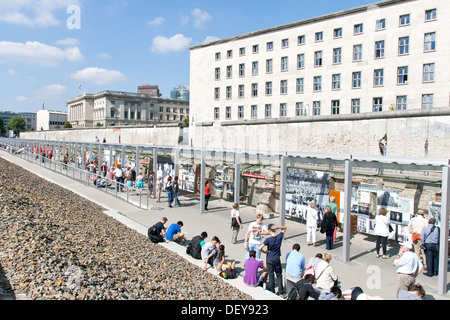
(56, 245)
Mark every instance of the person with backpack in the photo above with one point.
(169, 190)
(157, 232)
(194, 248)
(303, 289)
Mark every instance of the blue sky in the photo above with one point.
(51, 48)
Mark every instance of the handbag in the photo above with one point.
(234, 222)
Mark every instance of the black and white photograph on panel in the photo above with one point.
(388, 199)
(304, 186)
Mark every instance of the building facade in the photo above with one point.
(388, 56)
(50, 120)
(180, 93)
(30, 120)
(151, 90)
(110, 108)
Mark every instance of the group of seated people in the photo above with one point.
(315, 280)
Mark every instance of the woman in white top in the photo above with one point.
(235, 214)
(382, 231)
(325, 276)
(311, 223)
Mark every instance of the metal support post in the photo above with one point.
(202, 182)
(283, 176)
(443, 241)
(347, 211)
(237, 177)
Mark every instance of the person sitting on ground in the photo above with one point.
(334, 294)
(325, 276)
(209, 252)
(303, 289)
(417, 293)
(194, 248)
(295, 263)
(221, 263)
(251, 266)
(356, 293)
(157, 232)
(174, 232)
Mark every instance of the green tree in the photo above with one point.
(67, 125)
(2, 126)
(17, 124)
(186, 122)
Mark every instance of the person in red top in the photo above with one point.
(207, 194)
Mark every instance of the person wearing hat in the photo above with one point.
(415, 227)
(273, 255)
(408, 267)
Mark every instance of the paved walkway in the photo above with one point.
(376, 277)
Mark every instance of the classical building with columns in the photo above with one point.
(112, 108)
(312, 85)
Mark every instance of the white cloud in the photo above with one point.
(200, 17)
(210, 39)
(68, 42)
(51, 91)
(21, 99)
(104, 55)
(12, 72)
(38, 53)
(99, 76)
(176, 43)
(156, 22)
(33, 12)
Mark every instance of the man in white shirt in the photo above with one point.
(408, 267)
(253, 237)
(118, 173)
(415, 227)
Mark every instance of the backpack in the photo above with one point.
(194, 249)
(228, 274)
(293, 294)
(153, 236)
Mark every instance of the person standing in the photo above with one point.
(273, 255)
(118, 174)
(295, 263)
(329, 224)
(382, 232)
(235, 223)
(430, 239)
(253, 237)
(312, 216)
(150, 184)
(408, 267)
(332, 204)
(415, 227)
(158, 189)
(176, 190)
(207, 194)
(169, 190)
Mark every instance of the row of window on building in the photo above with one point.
(303, 110)
(403, 49)
(358, 29)
(356, 82)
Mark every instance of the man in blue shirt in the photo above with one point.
(430, 239)
(174, 232)
(295, 263)
(273, 261)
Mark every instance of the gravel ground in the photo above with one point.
(55, 245)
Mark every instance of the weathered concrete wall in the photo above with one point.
(167, 135)
(407, 133)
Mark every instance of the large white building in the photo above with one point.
(49, 120)
(389, 56)
(109, 108)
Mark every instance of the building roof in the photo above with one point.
(303, 22)
(118, 94)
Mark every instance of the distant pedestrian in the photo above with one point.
(118, 174)
(430, 241)
(176, 191)
(328, 227)
(169, 191)
(150, 185)
(236, 224)
(415, 227)
(207, 194)
(140, 182)
(382, 232)
(312, 218)
(158, 188)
